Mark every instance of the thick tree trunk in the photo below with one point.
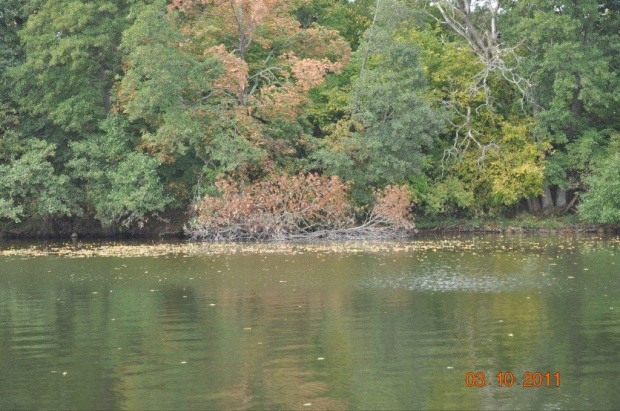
(533, 205)
(547, 200)
(560, 197)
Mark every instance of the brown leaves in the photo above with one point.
(294, 206)
(274, 208)
(235, 70)
(393, 207)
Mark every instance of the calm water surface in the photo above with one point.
(315, 331)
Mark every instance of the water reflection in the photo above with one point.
(334, 331)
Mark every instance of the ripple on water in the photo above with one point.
(442, 280)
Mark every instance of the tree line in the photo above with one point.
(121, 111)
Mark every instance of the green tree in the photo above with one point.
(601, 203)
(11, 20)
(391, 123)
(121, 184)
(571, 54)
(71, 60)
(30, 187)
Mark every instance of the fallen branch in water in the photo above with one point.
(297, 207)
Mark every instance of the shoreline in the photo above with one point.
(525, 223)
(455, 241)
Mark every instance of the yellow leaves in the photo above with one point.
(517, 171)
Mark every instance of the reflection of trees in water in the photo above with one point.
(382, 347)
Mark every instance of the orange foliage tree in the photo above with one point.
(269, 63)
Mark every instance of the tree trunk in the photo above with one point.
(560, 199)
(547, 201)
(533, 205)
(105, 92)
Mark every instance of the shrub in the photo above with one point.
(298, 206)
(274, 208)
(392, 208)
(601, 204)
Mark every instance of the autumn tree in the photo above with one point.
(250, 114)
(488, 158)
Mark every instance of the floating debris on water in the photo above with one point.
(473, 245)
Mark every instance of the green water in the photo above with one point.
(315, 331)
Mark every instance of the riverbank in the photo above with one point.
(520, 223)
(171, 227)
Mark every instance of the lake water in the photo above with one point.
(316, 330)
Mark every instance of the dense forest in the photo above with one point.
(254, 118)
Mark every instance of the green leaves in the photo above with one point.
(121, 184)
(118, 109)
(29, 185)
(391, 123)
(601, 203)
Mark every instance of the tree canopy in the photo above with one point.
(117, 111)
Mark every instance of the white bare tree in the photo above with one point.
(475, 21)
